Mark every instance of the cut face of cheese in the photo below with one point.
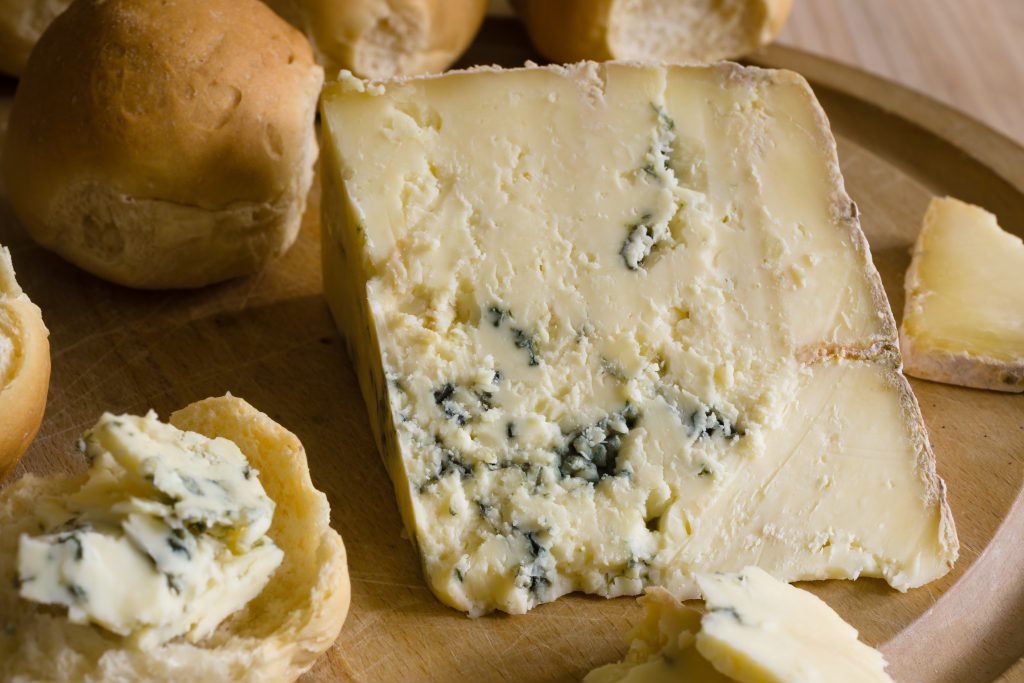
(963, 321)
(616, 325)
(756, 630)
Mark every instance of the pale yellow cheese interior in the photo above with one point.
(969, 293)
(756, 630)
(165, 537)
(534, 265)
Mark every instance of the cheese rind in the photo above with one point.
(600, 315)
(963, 321)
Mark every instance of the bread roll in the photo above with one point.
(24, 367)
(651, 30)
(384, 38)
(21, 23)
(275, 637)
(164, 144)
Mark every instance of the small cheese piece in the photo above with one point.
(617, 324)
(662, 647)
(166, 537)
(756, 630)
(963, 322)
(759, 630)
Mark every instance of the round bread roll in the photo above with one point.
(164, 144)
(651, 30)
(24, 367)
(385, 38)
(275, 637)
(21, 24)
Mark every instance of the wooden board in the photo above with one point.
(269, 338)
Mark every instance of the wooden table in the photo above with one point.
(127, 350)
(967, 53)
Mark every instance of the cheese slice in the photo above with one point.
(616, 325)
(963, 321)
(756, 630)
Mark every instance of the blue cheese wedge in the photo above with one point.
(756, 629)
(165, 538)
(617, 325)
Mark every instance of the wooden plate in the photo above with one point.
(269, 339)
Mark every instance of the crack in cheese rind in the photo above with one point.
(567, 404)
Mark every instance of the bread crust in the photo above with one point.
(385, 38)
(25, 378)
(121, 128)
(575, 30)
(276, 637)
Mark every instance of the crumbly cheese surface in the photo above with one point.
(756, 630)
(167, 537)
(617, 324)
(965, 294)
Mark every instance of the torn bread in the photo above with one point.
(275, 637)
(24, 367)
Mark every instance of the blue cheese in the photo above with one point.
(166, 537)
(617, 325)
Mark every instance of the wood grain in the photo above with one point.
(967, 54)
(269, 338)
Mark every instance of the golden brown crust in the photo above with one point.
(385, 38)
(123, 132)
(575, 30)
(24, 368)
(276, 637)
(568, 31)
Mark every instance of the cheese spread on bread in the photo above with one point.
(166, 537)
